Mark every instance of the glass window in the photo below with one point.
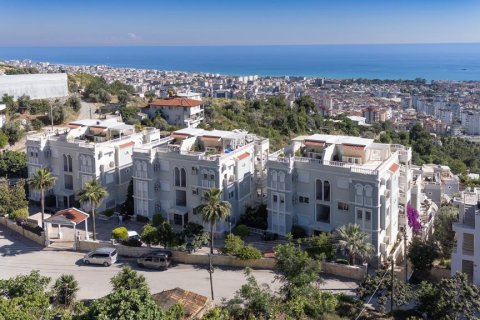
(359, 214)
(368, 215)
(275, 198)
(343, 206)
(323, 213)
(326, 191)
(183, 178)
(319, 189)
(177, 177)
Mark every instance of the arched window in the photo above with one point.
(326, 191)
(359, 193)
(70, 166)
(183, 181)
(368, 195)
(274, 179)
(281, 178)
(65, 163)
(177, 177)
(319, 189)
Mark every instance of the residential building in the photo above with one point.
(87, 149)
(321, 182)
(172, 176)
(178, 111)
(465, 254)
(472, 123)
(437, 182)
(36, 86)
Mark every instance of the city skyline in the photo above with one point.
(213, 23)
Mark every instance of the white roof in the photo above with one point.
(333, 139)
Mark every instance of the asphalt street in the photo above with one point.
(19, 256)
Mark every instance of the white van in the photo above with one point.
(104, 256)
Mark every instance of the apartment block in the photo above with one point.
(87, 149)
(178, 111)
(172, 176)
(321, 182)
(465, 254)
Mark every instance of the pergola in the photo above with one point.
(68, 217)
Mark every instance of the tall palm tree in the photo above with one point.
(92, 193)
(213, 210)
(65, 290)
(352, 241)
(42, 180)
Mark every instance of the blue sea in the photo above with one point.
(429, 61)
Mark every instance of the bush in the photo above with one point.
(298, 232)
(150, 234)
(109, 212)
(19, 213)
(241, 230)
(37, 124)
(342, 261)
(33, 228)
(120, 233)
(249, 253)
(157, 219)
(232, 245)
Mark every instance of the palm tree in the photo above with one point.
(42, 180)
(213, 210)
(352, 241)
(92, 193)
(65, 290)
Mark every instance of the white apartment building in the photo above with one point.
(321, 182)
(171, 176)
(87, 149)
(471, 122)
(465, 254)
(178, 111)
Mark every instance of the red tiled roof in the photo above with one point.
(72, 214)
(394, 167)
(176, 102)
(127, 144)
(179, 135)
(243, 156)
(315, 143)
(210, 138)
(357, 146)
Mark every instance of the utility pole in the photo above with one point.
(393, 286)
(210, 271)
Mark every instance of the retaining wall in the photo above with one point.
(352, 272)
(12, 225)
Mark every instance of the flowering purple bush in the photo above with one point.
(414, 219)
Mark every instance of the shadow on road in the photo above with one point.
(13, 244)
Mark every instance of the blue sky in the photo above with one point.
(229, 22)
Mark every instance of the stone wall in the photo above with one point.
(18, 229)
(342, 270)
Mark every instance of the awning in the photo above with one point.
(70, 216)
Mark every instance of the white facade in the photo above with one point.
(321, 182)
(181, 112)
(472, 123)
(88, 149)
(466, 254)
(36, 86)
(172, 176)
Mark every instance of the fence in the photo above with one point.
(26, 233)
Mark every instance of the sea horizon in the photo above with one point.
(432, 61)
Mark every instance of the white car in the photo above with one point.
(103, 256)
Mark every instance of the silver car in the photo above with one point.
(104, 256)
(155, 260)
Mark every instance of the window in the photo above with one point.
(319, 188)
(212, 177)
(177, 219)
(368, 195)
(231, 194)
(183, 182)
(326, 191)
(303, 199)
(194, 170)
(368, 216)
(282, 199)
(323, 213)
(68, 182)
(205, 176)
(274, 179)
(359, 194)
(275, 198)
(177, 177)
(343, 206)
(181, 198)
(281, 184)
(359, 214)
(195, 191)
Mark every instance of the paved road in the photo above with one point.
(84, 112)
(20, 256)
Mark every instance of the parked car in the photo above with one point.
(156, 260)
(104, 256)
(133, 234)
(132, 242)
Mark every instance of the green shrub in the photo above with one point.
(120, 233)
(241, 230)
(342, 261)
(109, 212)
(298, 232)
(150, 235)
(37, 124)
(19, 213)
(232, 245)
(249, 253)
(157, 219)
